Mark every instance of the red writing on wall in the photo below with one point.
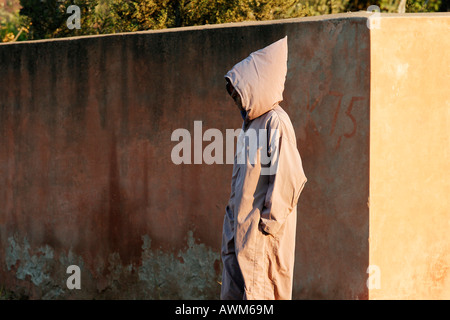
(335, 108)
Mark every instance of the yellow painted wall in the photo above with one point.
(410, 157)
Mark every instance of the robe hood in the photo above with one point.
(259, 79)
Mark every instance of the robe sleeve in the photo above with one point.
(286, 180)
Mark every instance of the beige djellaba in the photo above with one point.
(258, 240)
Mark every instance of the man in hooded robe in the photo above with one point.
(258, 239)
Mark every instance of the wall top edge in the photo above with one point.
(360, 15)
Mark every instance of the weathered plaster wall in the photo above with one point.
(410, 157)
(86, 175)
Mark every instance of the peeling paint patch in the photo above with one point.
(190, 274)
(40, 267)
(34, 266)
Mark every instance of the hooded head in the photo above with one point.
(259, 79)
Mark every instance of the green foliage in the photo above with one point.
(47, 19)
(40, 19)
(320, 7)
(151, 14)
(392, 5)
(11, 23)
(411, 5)
(423, 6)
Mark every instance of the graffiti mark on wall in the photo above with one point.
(335, 108)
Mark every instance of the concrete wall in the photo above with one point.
(86, 175)
(410, 157)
